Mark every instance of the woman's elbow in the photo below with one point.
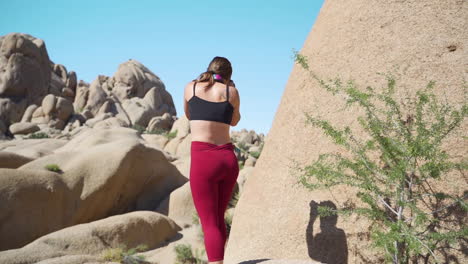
(235, 121)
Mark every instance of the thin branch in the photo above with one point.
(387, 205)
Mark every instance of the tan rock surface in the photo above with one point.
(179, 206)
(166, 253)
(23, 128)
(132, 229)
(119, 172)
(353, 40)
(12, 160)
(32, 148)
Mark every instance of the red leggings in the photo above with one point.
(213, 174)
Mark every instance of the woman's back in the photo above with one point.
(214, 110)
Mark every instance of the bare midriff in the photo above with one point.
(210, 131)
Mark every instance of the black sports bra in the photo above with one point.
(201, 109)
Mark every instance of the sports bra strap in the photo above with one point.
(194, 83)
(227, 92)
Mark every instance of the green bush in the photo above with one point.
(158, 131)
(53, 167)
(195, 219)
(37, 135)
(121, 254)
(171, 135)
(184, 255)
(228, 220)
(139, 128)
(255, 154)
(234, 199)
(412, 219)
(242, 146)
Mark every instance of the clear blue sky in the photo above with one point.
(176, 40)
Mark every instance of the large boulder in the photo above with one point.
(161, 123)
(167, 254)
(134, 79)
(111, 166)
(353, 40)
(183, 165)
(97, 96)
(82, 95)
(180, 144)
(130, 229)
(134, 95)
(24, 74)
(179, 206)
(32, 148)
(24, 65)
(28, 113)
(142, 93)
(12, 160)
(23, 128)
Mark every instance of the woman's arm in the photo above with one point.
(187, 94)
(234, 98)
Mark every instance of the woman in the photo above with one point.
(211, 103)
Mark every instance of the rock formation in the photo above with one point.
(91, 239)
(37, 95)
(355, 39)
(86, 168)
(102, 173)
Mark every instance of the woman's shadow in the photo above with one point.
(329, 246)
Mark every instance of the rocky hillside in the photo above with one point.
(91, 170)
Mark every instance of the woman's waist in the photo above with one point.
(216, 138)
(210, 131)
(205, 145)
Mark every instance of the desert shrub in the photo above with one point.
(234, 199)
(38, 135)
(228, 220)
(241, 165)
(122, 255)
(195, 219)
(412, 220)
(158, 131)
(139, 128)
(184, 255)
(242, 147)
(255, 154)
(53, 167)
(171, 135)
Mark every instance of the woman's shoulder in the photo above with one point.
(190, 84)
(232, 85)
(233, 90)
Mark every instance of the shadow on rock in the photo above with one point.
(330, 245)
(254, 261)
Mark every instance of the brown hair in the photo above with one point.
(218, 65)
